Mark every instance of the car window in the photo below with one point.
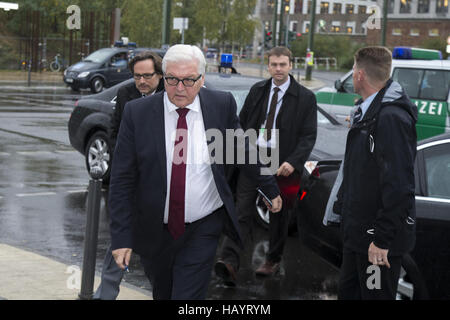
(409, 79)
(98, 56)
(435, 85)
(437, 166)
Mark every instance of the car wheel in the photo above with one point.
(97, 85)
(98, 153)
(410, 284)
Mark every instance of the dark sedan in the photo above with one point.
(426, 270)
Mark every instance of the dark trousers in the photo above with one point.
(183, 268)
(110, 281)
(358, 280)
(245, 203)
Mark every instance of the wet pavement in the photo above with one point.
(43, 202)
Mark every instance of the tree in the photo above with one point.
(142, 21)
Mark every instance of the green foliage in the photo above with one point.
(340, 47)
(142, 21)
(436, 43)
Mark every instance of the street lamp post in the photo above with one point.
(311, 38)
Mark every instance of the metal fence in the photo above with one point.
(327, 62)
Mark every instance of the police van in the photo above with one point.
(424, 76)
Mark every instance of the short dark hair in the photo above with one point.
(280, 51)
(144, 55)
(376, 61)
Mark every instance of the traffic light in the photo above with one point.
(294, 35)
(268, 36)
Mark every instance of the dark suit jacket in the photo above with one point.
(138, 187)
(125, 94)
(296, 120)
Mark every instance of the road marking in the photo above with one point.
(77, 191)
(5, 154)
(35, 194)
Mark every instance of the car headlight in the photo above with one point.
(65, 72)
(83, 74)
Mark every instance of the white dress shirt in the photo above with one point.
(201, 195)
(283, 88)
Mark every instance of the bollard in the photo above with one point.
(91, 235)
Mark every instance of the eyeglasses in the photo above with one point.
(146, 76)
(188, 82)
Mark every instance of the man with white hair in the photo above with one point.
(168, 209)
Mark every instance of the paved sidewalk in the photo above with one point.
(28, 276)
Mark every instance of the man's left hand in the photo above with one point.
(277, 203)
(378, 256)
(285, 170)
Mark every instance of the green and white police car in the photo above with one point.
(424, 76)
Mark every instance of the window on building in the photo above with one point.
(335, 29)
(349, 30)
(391, 6)
(405, 6)
(414, 32)
(423, 6)
(362, 9)
(396, 32)
(349, 8)
(433, 32)
(298, 6)
(309, 6)
(337, 8)
(324, 7)
(441, 6)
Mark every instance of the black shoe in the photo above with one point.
(226, 272)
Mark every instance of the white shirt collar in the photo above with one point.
(283, 87)
(366, 104)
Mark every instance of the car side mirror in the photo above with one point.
(338, 85)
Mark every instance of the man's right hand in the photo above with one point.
(122, 257)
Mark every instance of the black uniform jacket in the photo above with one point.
(296, 120)
(376, 198)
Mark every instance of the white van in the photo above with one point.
(425, 80)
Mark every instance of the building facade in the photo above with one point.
(410, 22)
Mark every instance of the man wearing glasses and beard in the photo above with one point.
(147, 73)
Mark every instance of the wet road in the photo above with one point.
(43, 200)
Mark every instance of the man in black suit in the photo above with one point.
(281, 107)
(147, 73)
(166, 202)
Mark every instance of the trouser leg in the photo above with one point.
(183, 268)
(110, 280)
(349, 288)
(278, 234)
(245, 204)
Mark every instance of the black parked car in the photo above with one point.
(102, 68)
(426, 270)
